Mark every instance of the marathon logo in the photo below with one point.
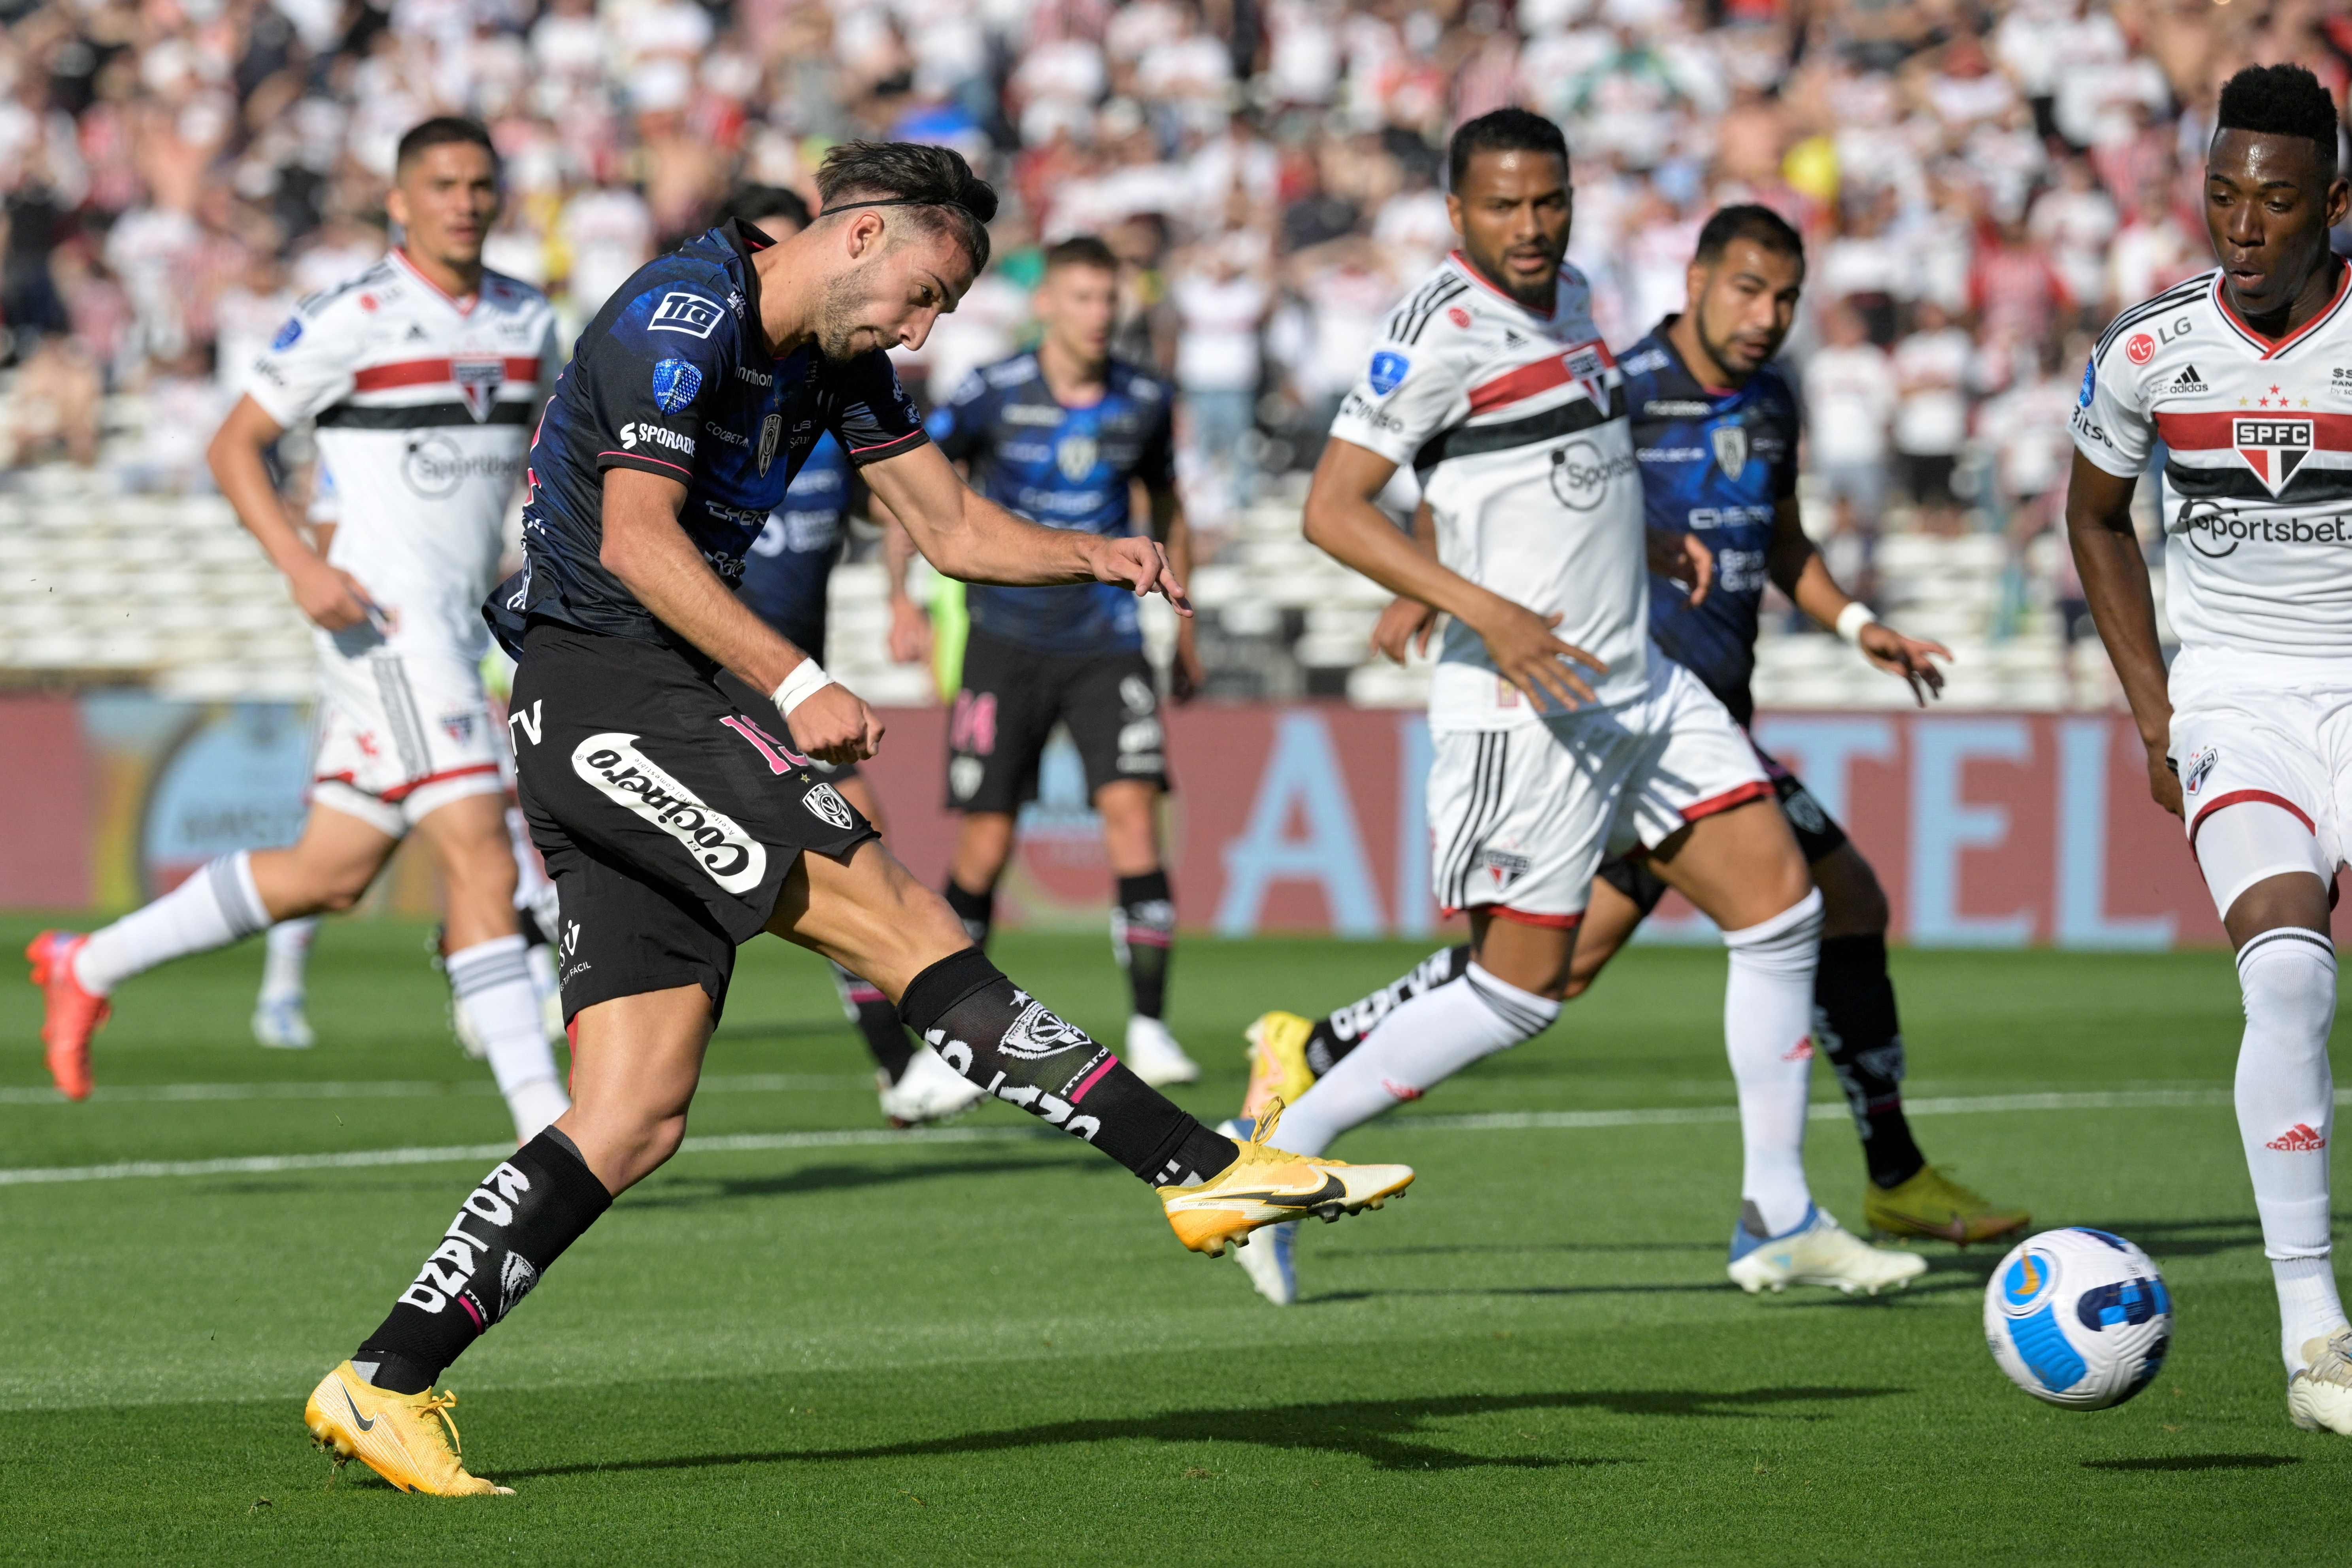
(2273, 448)
(611, 765)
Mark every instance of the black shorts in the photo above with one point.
(1012, 696)
(1818, 837)
(1927, 476)
(669, 807)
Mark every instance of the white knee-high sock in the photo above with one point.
(215, 907)
(1768, 1016)
(283, 972)
(2286, 1105)
(1418, 1045)
(493, 985)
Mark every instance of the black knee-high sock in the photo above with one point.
(1855, 1022)
(511, 1229)
(1011, 1045)
(1344, 1029)
(1142, 934)
(877, 1021)
(977, 910)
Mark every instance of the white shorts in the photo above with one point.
(1520, 819)
(2249, 729)
(402, 734)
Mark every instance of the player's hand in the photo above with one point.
(1681, 558)
(1140, 565)
(333, 600)
(1531, 657)
(1892, 652)
(1405, 625)
(1186, 674)
(833, 725)
(2162, 782)
(910, 632)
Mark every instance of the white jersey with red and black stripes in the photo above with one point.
(1515, 423)
(424, 407)
(2257, 435)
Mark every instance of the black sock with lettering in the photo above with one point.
(511, 1229)
(1142, 938)
(977, 910)
(1344, 1029)
(877, 1021)
(1855, 1026)
(1008, 1043)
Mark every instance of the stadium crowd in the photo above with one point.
(1980, 185)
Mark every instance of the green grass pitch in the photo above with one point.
(991, 1351)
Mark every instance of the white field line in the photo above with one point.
(414, 1089)
(743, 1142)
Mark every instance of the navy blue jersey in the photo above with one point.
(1717, 464)
(1066, 467)
(785, 575)
(673, 377)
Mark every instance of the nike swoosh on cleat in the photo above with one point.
(365, 1424)
(1332, 1191)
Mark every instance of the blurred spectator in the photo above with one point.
(2153, 252)
(1223, 295)
(1849, 389)
(1932, 369)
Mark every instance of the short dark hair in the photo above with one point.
(750, 204)
(441, 131)
(1502, 131)
(935, 183)
(2281, 101)
(1081, 250)
(1749, 221)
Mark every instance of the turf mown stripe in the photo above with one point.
(752, 1143)
(413, 1088)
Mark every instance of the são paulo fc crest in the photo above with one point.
(2273, 448)
(675, 384)
(2192, 777)
(1730, 450)
(478, 381)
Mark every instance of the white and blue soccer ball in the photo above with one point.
(2078, 1317)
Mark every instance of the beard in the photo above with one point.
(1539, 298)
(837, 325)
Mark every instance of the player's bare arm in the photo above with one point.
(2107, 557)
(1407, 623)
(1186, 674)
(331, 598)
(1797, 569)
(1342, 521)
(910, 623)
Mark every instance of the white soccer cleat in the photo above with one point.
(2319, 1397)
(1153, 1055)
(929, 1091)
(1264, 1256)
(280, 1024)
(1816, 1251)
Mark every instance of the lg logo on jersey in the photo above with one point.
(1580, 474)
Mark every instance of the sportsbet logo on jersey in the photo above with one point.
(2273, 448)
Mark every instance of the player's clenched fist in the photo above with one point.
(1140, 565)
(833, 725)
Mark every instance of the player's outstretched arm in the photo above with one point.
(645, 547)
(970, 537)
(1342, 521)
(331, 598)
(2115, 580)
(1798, 570)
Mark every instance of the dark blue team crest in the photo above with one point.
(675, 385)
(287, 335)
(1388, 372)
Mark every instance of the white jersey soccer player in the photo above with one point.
(1512, 410)
(2240, 376)
(423, 376)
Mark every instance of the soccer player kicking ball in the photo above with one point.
(1062, 434)
(424, 375)
(2239, 372)
(678, 814)
(1561, 735)
(1716, 429)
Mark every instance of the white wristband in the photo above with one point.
(807, 678)
(1853, 618)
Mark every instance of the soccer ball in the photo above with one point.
(2078, 1317)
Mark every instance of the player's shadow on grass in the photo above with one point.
(2196, 1462)
(1371, 1430)
(694, 1192)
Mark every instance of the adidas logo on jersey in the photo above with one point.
(2188, 381)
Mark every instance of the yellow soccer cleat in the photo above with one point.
(1267, 1186)
(1930, 1203)
(1278, 1062)
(409, 1439)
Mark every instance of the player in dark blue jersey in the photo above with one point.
(1715, 431)
(786, 575)
(1065, 434)
(665, 744)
